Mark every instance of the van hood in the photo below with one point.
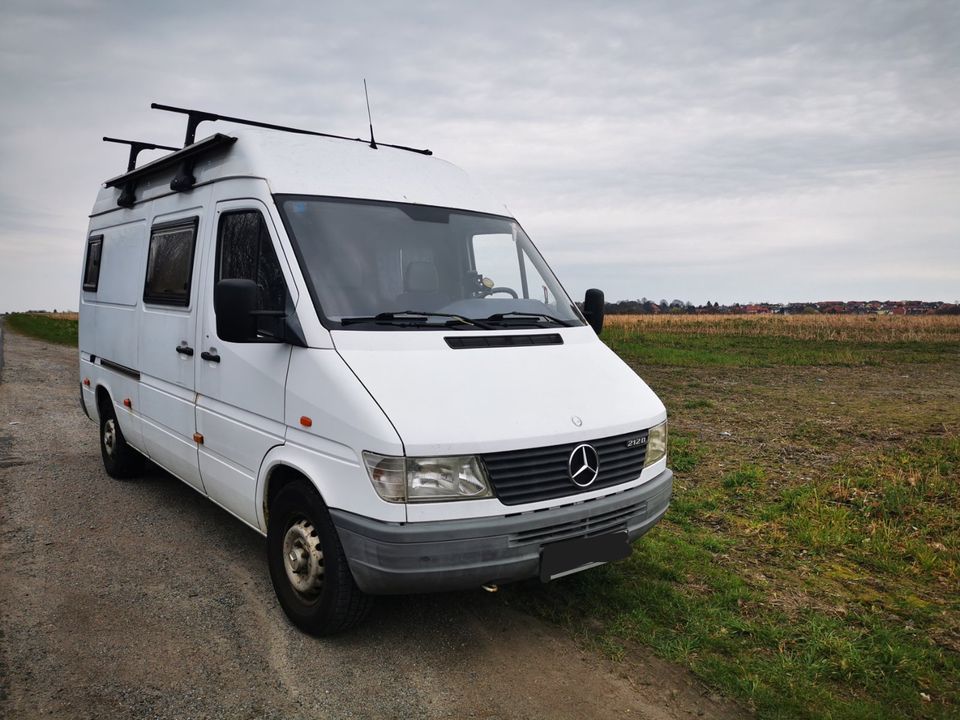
(446, 401)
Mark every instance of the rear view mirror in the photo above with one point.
(234, 302)
(593, 309)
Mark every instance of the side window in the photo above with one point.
(91, 267)
(170, 263)
(245, 251)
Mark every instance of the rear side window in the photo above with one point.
(91, 268)
(170, 263)
(245, 251)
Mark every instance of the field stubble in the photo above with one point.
(770, 340)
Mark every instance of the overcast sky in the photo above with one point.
(726, 151)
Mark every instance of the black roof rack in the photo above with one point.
(137, 147)
(184, 158)
(195, 117)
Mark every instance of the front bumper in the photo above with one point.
(388, 558)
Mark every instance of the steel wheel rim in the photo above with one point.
(110, 436)
(303, 559)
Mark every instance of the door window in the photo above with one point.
(245, 251)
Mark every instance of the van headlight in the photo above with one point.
(656, 444)
(427, 479)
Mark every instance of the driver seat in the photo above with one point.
(421, 287)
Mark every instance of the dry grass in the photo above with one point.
(843, 328)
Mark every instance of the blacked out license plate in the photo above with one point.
(570, 556)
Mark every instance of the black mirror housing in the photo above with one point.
(234, 302)
(593, 309)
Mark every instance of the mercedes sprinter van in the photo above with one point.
(360, 354)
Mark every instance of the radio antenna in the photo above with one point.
(373, 143)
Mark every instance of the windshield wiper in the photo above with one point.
(413, 318)
(506, 316)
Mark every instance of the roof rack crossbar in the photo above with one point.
(136, 147)
(195, 117)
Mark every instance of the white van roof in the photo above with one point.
(309, 165)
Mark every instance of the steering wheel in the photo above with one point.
(508, 291)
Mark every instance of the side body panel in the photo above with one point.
(345, 420)
(109, 321)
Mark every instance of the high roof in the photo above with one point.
(308, 165)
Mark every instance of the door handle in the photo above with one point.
(210, 356)
(185, 350)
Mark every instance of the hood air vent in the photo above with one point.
(501, 341)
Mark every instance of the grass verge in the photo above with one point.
(56, 328)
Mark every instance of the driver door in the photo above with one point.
(240, 386)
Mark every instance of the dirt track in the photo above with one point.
(143, 599)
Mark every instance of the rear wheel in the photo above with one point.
(119, 459)
(308, 566)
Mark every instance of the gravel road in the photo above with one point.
(142, 599)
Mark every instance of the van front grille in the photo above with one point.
(535, 474)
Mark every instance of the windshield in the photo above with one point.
(378, 265)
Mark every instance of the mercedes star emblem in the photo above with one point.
(583, 465)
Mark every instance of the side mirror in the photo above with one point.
(593, 309)
(234, 302)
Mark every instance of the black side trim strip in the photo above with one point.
(497, 341)
(122, 369)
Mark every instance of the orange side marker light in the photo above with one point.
(127, 402)
(86, 381)
(305, 421)
(198, 438)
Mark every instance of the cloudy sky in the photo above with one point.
(726, 151)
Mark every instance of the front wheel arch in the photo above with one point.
(278, 477)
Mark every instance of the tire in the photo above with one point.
(308, 566)
(119, 459)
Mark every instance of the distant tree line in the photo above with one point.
(643, 306)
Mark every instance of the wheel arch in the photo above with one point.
(278, 476)
(340, 480)
(104, 399)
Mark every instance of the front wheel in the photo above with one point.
(308, 566)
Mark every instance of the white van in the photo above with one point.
(358, 353)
